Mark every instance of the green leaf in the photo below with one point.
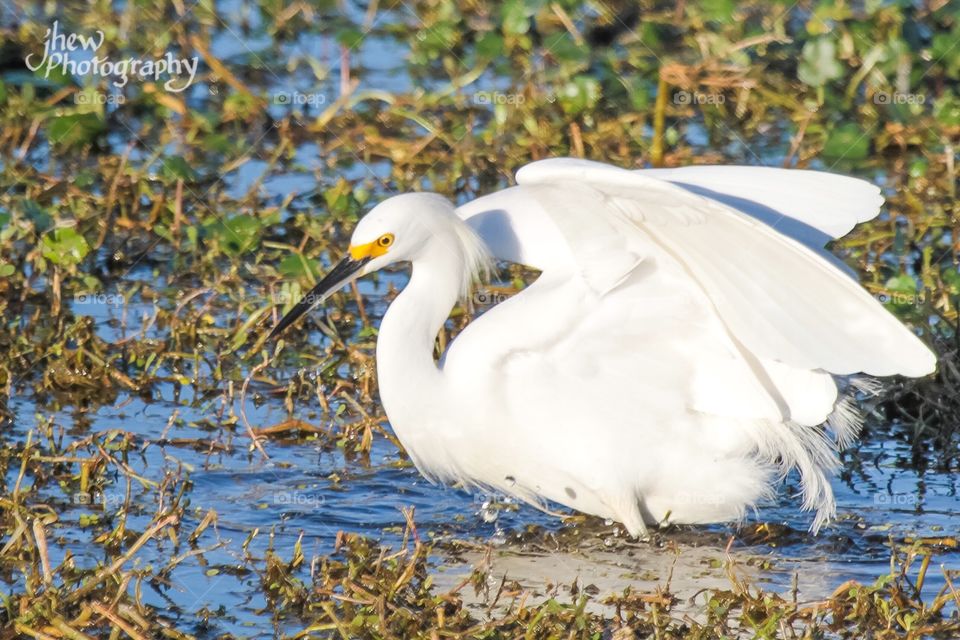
(902, 283)
(919, 167)
(217, 142)
(718, 10)
(513, 16)
(192, 235)
(901, 292)
(75, 130)
(367, 332)
(7, 270)
(360, 194)
(847, 142)
(241, 104)
(84, 178)
(942, 50)
(64, 246)
(338, 197)
(637, 92)
(947, 110)
(437, 39)
(490, 45)
(578, 95)
(951, 278)
(350, 37)
(826, 15)
(297, 266)
(237, 235)
(175, 167)
(566, 49)
(818, 63)
(38, 215)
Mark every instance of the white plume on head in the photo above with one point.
(478, 264)
(456, 236)
(425, 221)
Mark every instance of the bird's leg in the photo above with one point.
(639, 523)
(644, 535)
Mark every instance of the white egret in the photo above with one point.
(675, 356)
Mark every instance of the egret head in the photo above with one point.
(403, 228)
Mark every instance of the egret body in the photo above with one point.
(676, 356)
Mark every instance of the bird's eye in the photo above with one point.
(385, 240)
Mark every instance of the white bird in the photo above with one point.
(675, 357)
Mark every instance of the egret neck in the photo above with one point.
(409, 378)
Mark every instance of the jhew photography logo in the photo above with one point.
(67, 52)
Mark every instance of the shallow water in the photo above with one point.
(317, 491)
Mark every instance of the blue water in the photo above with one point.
(315, 490)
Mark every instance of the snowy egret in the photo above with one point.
(677, 353)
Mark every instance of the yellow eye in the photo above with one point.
(373, 249)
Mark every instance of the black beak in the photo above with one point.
(342, 273)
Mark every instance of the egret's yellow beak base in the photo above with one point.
(373, 249)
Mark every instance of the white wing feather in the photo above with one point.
(810, 206)
(783, 301)
(724, 326)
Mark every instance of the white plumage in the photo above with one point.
(674, 357)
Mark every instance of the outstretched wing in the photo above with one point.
(779, 299)
(677, 332)
(812, 207)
